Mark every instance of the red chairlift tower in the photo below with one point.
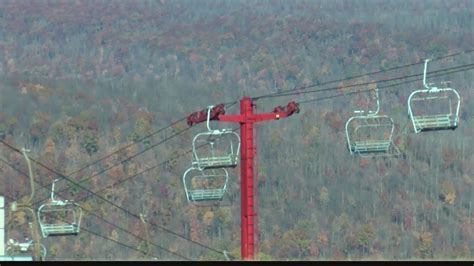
(246, 118)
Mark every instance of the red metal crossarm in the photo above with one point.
(278, 112)
(218, 111)
(201, 116)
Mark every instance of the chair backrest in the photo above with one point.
(64, 219)
(215, 148)
(369, 132)
(433, 108)
(205, 184)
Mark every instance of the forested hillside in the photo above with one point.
(81, 79)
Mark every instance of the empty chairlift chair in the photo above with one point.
(369, 133)
(205, 184)
(434, 108)
(59, 217)
(218, 148)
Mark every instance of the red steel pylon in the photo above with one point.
(246, 118)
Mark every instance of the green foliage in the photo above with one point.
(341, 223)
(142, 128)
(435, 50)
(61, 132)
(425, 245)
(90, 142)
(261, 256)
(3, 130)
(365, 234)
(324, 195)
(83, 121)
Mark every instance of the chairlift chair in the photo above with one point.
(205, 184)
(59, 217)
(216, 148)
(434, 108)
(369, 133)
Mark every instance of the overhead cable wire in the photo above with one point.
(471, 66)
(137, 174)
(117, 206)
(147, 170)
(136, 142)
(143, 171)
(121, 149)
(127, 146)
(368, 83)
(289, 91)
(118, 163)
(135, 155)
(103, 219)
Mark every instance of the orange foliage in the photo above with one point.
(114, 235)
(40, 92)
(323, 239)
(48, 147)
(426, 238)
(194, 231)
(447, 192)
(208, 218)
(19, 218)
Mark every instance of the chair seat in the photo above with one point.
(59, 229)
(370, 146)
(427, 122)
(217, 162)
(206, 194)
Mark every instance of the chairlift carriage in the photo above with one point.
(205, 184)
(22, 247)
(434, 108)
(59, 217)
(218, 148)
(369, 133)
